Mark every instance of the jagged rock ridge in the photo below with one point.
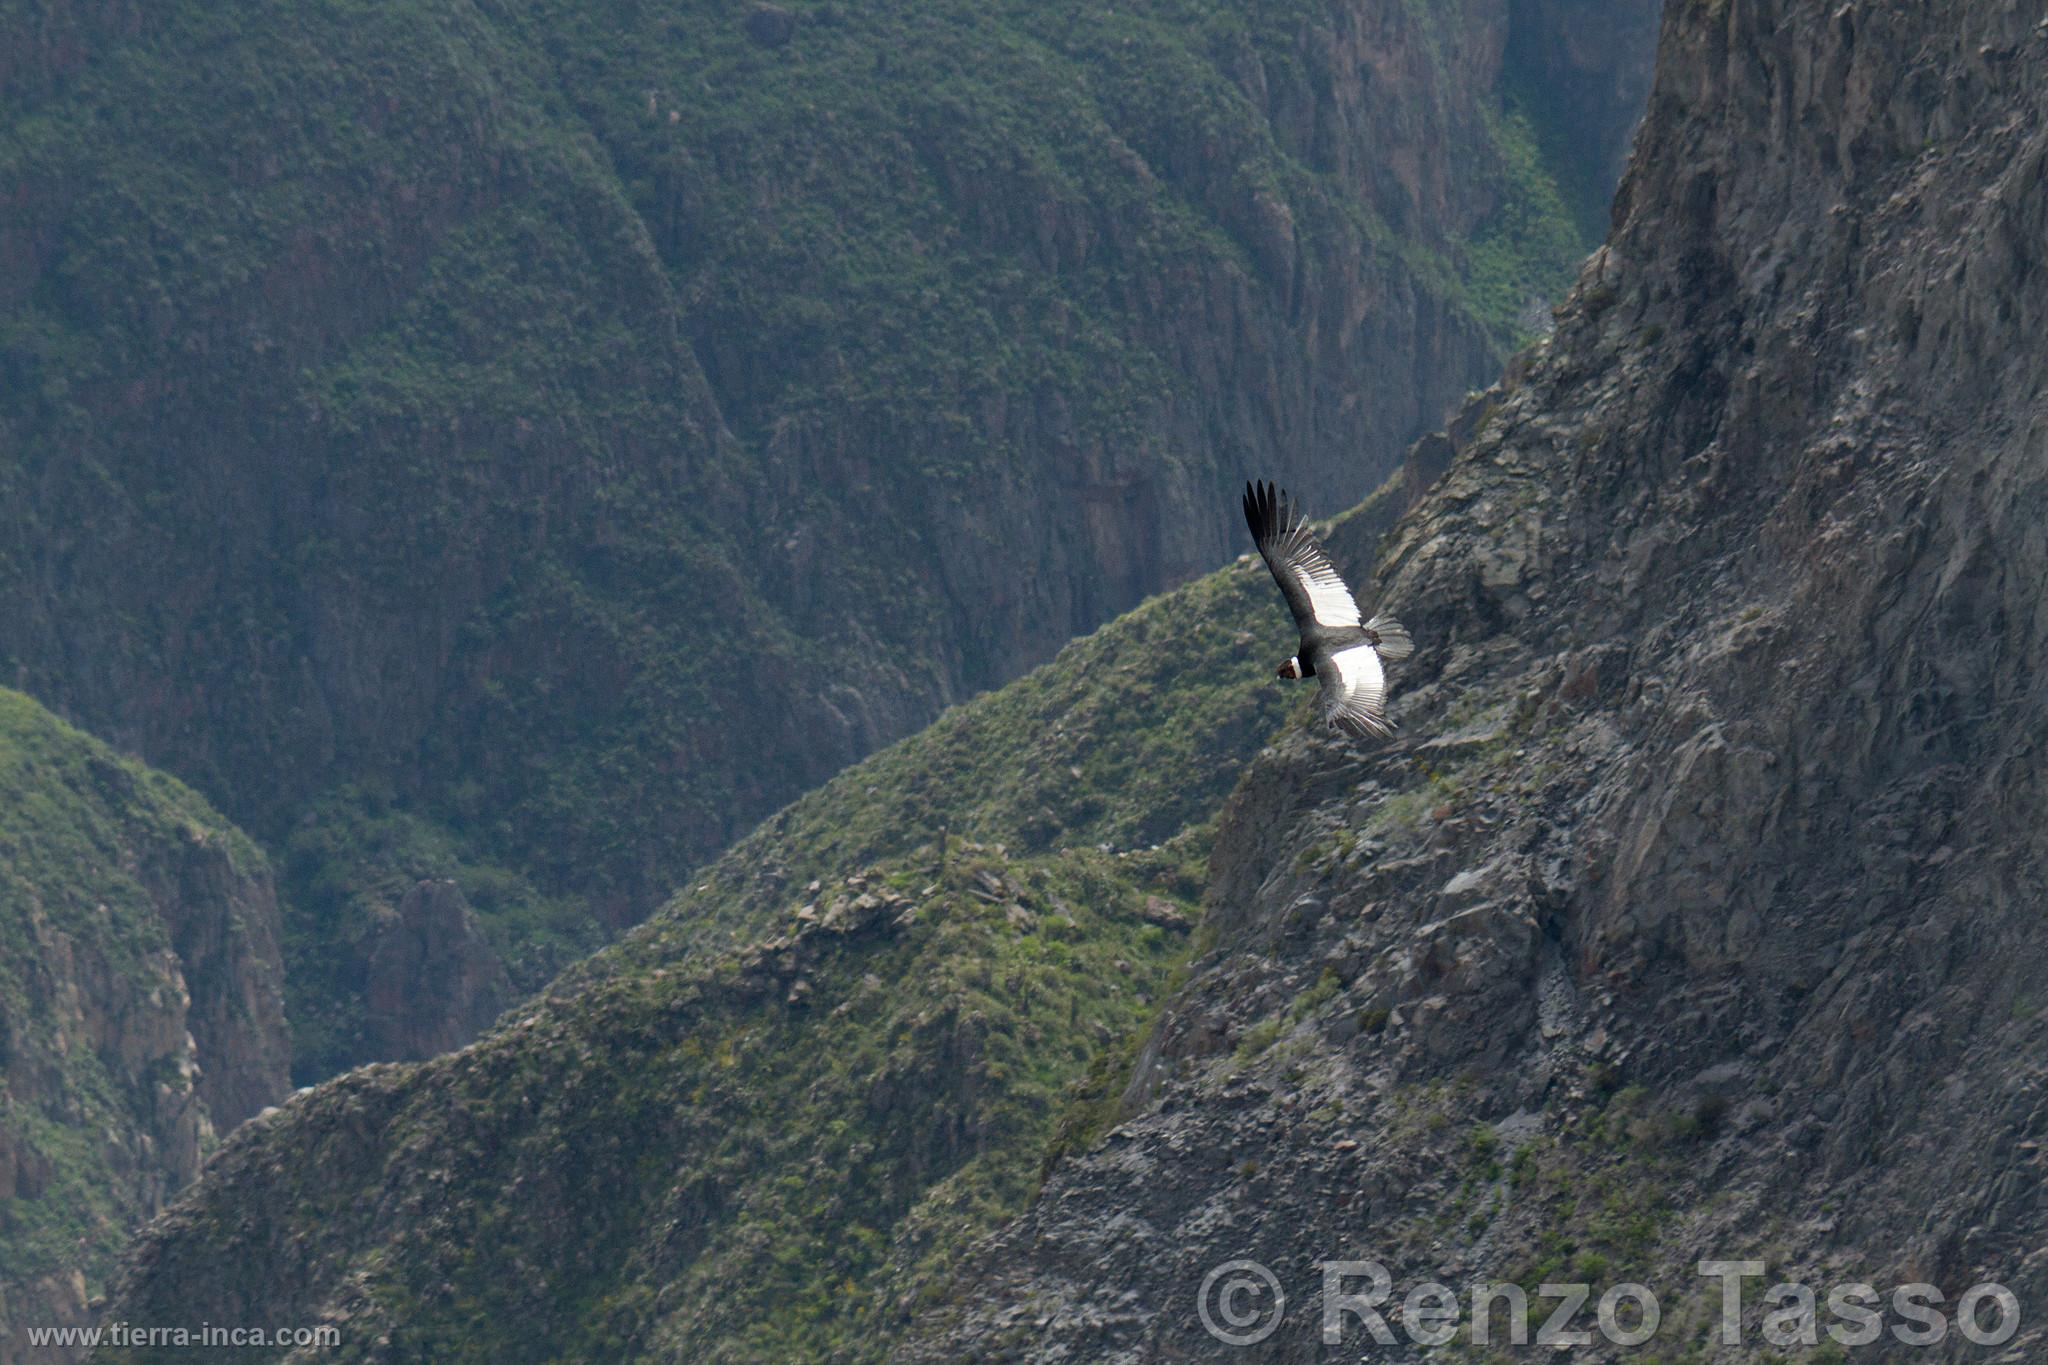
(1695, 914)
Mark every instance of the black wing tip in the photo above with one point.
(1267, 509)
(1258, 509)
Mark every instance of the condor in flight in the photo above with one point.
(1336, 650)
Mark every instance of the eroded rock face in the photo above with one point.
(140, 1007)
(1704, 880)
(223, 923)
(434, 981)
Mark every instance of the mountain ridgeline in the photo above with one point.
(499, 453)
(1694, 912)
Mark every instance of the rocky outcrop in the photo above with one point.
(588, 435)
(1694, 915)
(215, 897)
(140, 1007)
(434, 981)
(764, 1125)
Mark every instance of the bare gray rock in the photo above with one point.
(1696, 913)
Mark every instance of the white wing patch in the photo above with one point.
(1355, 691)
(1328, 598)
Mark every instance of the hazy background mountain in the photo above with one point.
(498, 453)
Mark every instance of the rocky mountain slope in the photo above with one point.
(475, 443)
(1692, 915)
(765, 1124)
(139, 1005)
(1696, 915)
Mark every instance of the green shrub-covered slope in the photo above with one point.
(530, 442)
(138, 947)
(767, 1124)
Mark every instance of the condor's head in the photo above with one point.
(1292, 668)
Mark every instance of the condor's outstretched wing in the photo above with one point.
(1314, 591)
(1354, 696)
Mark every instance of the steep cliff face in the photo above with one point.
(1696, 913)
(514, 409)
(139, 1006)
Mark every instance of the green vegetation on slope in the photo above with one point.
(774, 1155)
(530, 443)
(95, 1099)
(768, 1123)
(1130, 738)
(353, 856)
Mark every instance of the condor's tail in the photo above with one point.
(1390, 636)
